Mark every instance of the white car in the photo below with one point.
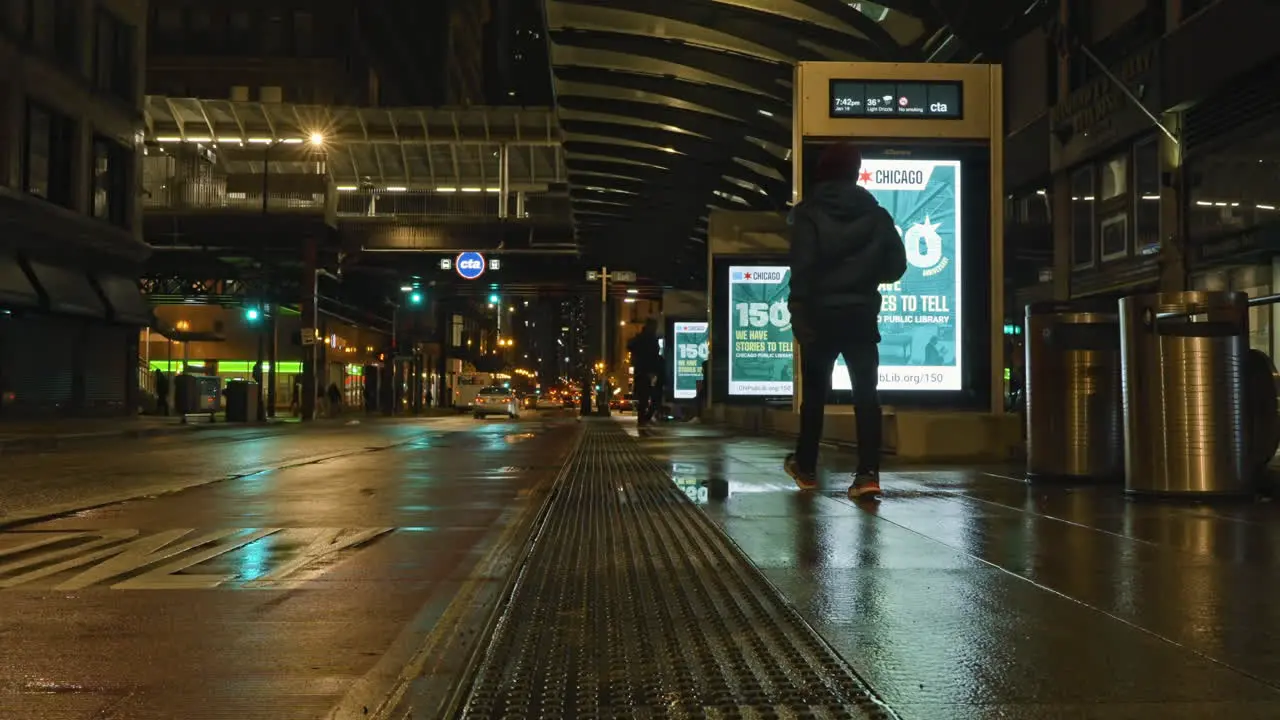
(495, 401)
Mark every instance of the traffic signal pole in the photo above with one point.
(310, 314)
(602, 408)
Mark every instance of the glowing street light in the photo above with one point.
(317, 139)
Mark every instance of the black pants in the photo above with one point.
(854, 335)
(646, 396)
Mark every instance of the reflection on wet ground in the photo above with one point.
(275, 594)
(969, 594)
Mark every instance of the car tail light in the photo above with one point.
(479, 401)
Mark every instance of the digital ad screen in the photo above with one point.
(941, 100)
(920, 315)
(690, 344)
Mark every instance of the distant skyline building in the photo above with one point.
(516, 46)
(463, 46)
(271, 51)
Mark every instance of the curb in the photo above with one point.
(48, 443)
(36, 443)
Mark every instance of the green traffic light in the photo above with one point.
(252, 314)
(493, 299)
(416, 298)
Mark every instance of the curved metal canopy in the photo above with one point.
(671, 108)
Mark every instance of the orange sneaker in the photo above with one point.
(804, 480)
(866, 486)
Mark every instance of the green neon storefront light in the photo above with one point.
(228, 366)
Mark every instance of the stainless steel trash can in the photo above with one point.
(1074, 421)
(1184, 357)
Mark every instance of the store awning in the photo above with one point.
(15, 289)
(128, 306)
(68, 291)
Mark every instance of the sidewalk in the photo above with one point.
(971, 594)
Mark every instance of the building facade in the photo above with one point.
(1159, 174)
(71, 249)
(272, 51)
(463, 47)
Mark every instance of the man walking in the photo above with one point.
(843, 247)
(647, 362)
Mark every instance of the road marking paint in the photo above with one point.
(327, 542)
(165, 577)
(26, 543)
(107, 537)
(129, 559)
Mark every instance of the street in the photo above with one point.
(277, 575)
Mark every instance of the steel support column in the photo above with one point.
(310, 313)
(273, 359)
(504, 181)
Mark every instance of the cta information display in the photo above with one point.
(690, 346)
(920, 316)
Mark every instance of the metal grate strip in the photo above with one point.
(631, 603)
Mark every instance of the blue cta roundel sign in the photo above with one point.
(470, 265)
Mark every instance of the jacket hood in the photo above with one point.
(840, 201)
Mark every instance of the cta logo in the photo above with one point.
(469, 265)
(939, 108)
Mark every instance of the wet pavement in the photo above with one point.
(968, 594)
(300, 586)
(316, 573)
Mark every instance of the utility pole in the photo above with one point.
(604, 276)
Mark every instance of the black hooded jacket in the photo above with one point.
(645, 357)
(843, 247)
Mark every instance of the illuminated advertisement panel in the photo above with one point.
(689, 347)
(920, 316)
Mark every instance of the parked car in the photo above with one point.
(624, 403)
(494, 400)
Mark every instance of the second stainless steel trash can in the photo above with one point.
(1184, 358)
(1074, 427)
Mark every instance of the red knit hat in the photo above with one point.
(841, 161)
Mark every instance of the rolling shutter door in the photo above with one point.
(1247, 106)
(106, 368)
(38, 356)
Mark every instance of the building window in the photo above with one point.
(168, 20)
(302, 34)
(46, 156)
(1234, 188)
(273, 35)
(112, 168)
(240, 32)
(1082, 218)
(1113, 235)
(1113, 207)
(1146, 197)
(113, 64)
(51, 28)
